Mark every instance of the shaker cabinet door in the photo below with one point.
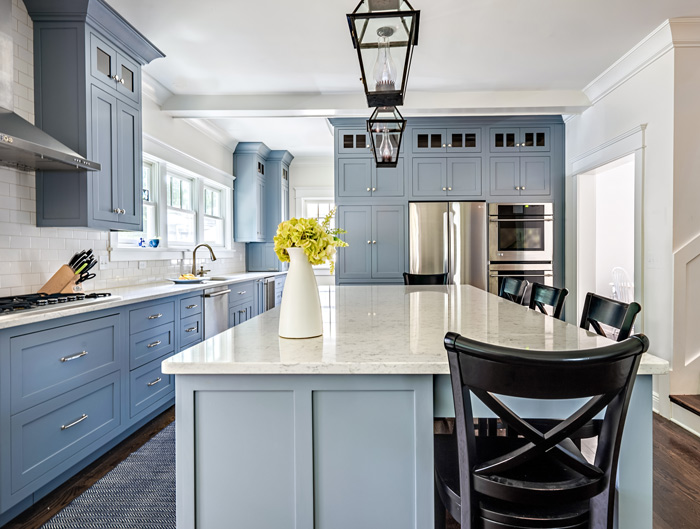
(535, 175)
(429, 177)
(505, 176)
(464, 177)
(129, 166)
(354, 261)
(388, 181)
(388, 242)
(105, 194)
(355, 177)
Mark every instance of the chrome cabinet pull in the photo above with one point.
(242, 292)
(154, 382)
(242, 311)
(73, 357)
(191, 329)
(155, 316)
(191, 306)
(157, 342)
(82, 418)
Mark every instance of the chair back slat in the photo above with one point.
(542, 295)
(513, 289)
(599, 310)
(424, 279)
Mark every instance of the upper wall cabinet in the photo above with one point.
(532, 139)
(353, 141)
(360, 177)
(87, 77)
(446, 140)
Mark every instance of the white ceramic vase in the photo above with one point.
(300, 314)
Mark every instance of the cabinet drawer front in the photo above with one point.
(148, 385)
(47, 363)
(190, 330)
(47, 435)
(190, 306)
(241, 292)
(151, 344)
(150, 317)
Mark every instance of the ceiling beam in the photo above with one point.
(354, 105)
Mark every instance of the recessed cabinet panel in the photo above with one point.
(354, 177)
(535, 176)
(128, 166)
(388, 242)
(429, 177)
(354, 261)
(505, 176)
(105, 196)
(464, 177)
(388, 181)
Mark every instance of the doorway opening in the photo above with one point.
(606, 231)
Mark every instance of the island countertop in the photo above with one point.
(386, 330)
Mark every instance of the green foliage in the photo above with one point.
(319, 241)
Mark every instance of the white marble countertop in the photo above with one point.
(124, 296)
(385, 330)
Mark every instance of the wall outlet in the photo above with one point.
(103, 262)
(142, 265)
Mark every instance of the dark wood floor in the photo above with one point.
(49, 505)
(676, 477)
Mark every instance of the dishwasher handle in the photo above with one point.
(217, 294)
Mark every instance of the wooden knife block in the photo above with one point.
(62, 282)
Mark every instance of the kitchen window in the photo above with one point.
(180, 209)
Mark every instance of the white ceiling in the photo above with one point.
(270, 48)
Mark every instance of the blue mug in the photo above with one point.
(154, 242)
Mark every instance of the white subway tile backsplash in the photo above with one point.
(29, 230)
(20, 217)
(38, 242)
(4, 241)
(57, 244)
(19, 242)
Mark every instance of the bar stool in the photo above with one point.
(424, 279)
(599, 310)
(513, 289)
(538, 479)
(542, 295)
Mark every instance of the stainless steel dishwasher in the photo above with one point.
(215, 310)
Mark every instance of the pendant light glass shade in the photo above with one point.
(385, 127)
(384, 33)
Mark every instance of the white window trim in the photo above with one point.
(308, 194)
(166, 251)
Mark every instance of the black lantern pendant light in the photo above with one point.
(385, 129)
(384, 33)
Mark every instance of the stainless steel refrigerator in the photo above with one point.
(449, 237)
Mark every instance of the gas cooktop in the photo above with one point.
(34, 302)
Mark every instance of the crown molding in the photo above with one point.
(213, 132)
(153, 89)
(673, 33)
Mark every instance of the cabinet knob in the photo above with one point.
(374, 189)
(443, 145)
(369, 189)
(444, 189)
(121, 80)
(117, 210)
(517, 187)
(522, 188)
(369, 242)
(449, 145)
(116, 78)
(374, 242)
(449, 189)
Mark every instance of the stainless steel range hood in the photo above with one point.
(22, 145)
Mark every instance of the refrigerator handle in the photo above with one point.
(450, 236)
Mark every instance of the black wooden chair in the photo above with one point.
(542, 295)
(598, 310)
(538, 479)
(424, 279)
(513, 289)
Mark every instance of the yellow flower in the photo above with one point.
(319, 241)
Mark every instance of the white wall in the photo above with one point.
(586, 234)
(646, 97)
(309, 176)
(614, 206)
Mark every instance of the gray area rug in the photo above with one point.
(139, 493)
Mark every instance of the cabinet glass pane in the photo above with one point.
(128, 78)
(529, 139)
(510, 139)
(540, 139)
(348, 141)
(470, 140)
(361, 141)
(456, 140)
(435, 141)
(285, 174)
(422, 141)
(104, 63)
(498, 139)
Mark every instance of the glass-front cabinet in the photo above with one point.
(532, 139)
(446, 140)
(113, 69)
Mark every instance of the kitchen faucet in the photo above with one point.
(194, 260)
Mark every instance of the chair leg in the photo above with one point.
(440, 511)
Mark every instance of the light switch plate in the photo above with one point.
(103, 262)
(142, 265)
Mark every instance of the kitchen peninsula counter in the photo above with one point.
(338, 429)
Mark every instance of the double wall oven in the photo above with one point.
(521, 239)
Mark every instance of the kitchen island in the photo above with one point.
(336, 432)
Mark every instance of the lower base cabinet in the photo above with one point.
(148, 385)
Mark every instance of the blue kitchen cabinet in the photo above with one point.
(376, 239)
(446, 177)
(464, 177)
(454, 140)
(353, 141)
(388, 181)
(88, 96)
(360, 177)
(429, 141)
(523, 139)
(429, 177)
(249, 160)
(520, 176)
(505, 176)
